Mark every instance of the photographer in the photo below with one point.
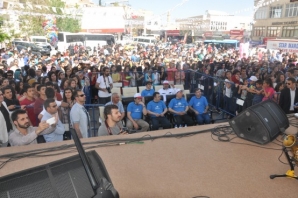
(104, 84)
(111, 124)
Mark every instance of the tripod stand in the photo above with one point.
(290, 173)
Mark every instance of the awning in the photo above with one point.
(238, 38)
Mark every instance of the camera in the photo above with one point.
(108, 89)
(127, 130)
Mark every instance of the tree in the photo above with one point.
(31, 24)
(68, 24)
(3, 36)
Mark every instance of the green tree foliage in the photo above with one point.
(31, 24)
(68, 24)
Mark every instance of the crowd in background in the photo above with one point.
(223, 74)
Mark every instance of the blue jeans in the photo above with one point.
(203, 118)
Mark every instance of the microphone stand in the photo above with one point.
(290, 173)
(99, 191)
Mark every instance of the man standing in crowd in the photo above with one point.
(289, 97)
(79, 116)
(9, 100)
(52, 111)
(179, 107)
(5, 122)
(29, 103)
(157, 110)
(111, 124)
(104, 84)
(148, 91)
(24, 133)
(199, 105)
(135, 112)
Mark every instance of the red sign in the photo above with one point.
(236, 32)
(103, 30)
(208, 34)
(173, 32)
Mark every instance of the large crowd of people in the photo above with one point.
(42, 98)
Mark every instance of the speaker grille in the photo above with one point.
(64, 178)
(260, 123)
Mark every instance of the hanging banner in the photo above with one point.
(103, 20)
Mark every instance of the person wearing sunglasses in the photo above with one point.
(51, 108)
(288, 100)
(79, 116)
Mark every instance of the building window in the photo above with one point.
(273, 31)
(275, 11)
(261, 13)
(290, 31)
(259, 31)
(291, 10)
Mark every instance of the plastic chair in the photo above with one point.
(129, 91)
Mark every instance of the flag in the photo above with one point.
(54, 9)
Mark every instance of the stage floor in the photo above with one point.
(183, 167)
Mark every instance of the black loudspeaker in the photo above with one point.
(65, 178)
(260, 123)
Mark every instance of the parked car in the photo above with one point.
(34, 48)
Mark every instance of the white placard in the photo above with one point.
(201, 87)
(240, 102)
(51, 121)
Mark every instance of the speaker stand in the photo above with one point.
(290, 173)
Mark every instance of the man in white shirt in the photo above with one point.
(167, 90)
(104, 84)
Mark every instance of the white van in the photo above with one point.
(144, 40)
(40, 40)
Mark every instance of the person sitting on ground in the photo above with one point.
(179, 107)
(135, 111)
(199, 105)
(148, 91)
(25, 134)
(111, 124)
(157, 110)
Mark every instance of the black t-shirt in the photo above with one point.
(12, 102)
(6, 117)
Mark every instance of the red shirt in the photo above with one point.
(171, 74)
(30, 110)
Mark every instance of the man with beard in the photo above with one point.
(24, 134)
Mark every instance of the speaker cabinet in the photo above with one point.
(260, 123)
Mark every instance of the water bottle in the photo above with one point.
(176, 126)
(185, 125)
(180, 126)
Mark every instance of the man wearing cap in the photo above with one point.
(148, 91)
(179, 107)
(167, 90)
(157, 110)
(135, 111)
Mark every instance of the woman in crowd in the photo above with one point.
(268, 90)
(61, 76)
(52, 77)
(64, 112)
(45, 80)
(126, 77)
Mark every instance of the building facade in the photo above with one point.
(215, 25)
(275, 19)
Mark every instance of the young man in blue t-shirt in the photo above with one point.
(179, 107)
(157, 110)
(135, 111)
(148, 91)
(199, 105)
